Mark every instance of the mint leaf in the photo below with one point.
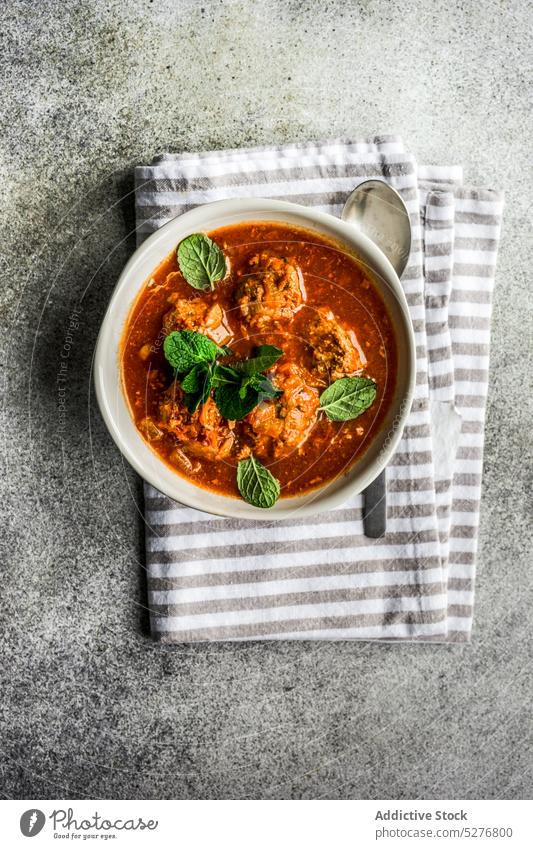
(263, 386)
(236, 400)
(201, 261)
(347, 398)
(231, 404)
(265, 357)
(256, 484)
(237, 394)
(197, 386)
(195, 379)
(185, 349)
(266, 389)
(194, 399)
(225, 374)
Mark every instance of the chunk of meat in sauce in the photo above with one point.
(203, 433)
(196, 314)
(280, 425)
(271, 291)
(336, 352)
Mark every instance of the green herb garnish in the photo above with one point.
(256, 484)
(185, 349)
(264, 358)
(238, 387)
(193, 357)
(347, 398)
(242, 386)
(197, 385)
(201, 261)
(238, 398)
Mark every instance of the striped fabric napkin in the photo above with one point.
(212, 578)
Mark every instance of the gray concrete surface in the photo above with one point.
(89, 707)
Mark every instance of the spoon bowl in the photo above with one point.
(378, 211)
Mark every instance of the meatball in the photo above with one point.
(271, 291)
(278, 426)
(336, 352)
(203, 433)
(196, 314)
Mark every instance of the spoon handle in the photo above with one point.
(375, 507)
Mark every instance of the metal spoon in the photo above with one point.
(378, 211)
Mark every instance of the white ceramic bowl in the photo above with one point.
(108, 379)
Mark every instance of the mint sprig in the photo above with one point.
(235, 400)
(238, 387)
(243, 385)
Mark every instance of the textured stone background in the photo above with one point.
(89, 706)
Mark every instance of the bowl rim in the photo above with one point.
(108, 377)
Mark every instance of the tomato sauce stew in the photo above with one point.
(271, 284)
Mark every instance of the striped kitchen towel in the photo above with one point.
(212, 578)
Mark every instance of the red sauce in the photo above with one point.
(332, 279)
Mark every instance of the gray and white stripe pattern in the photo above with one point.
(321, 578)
